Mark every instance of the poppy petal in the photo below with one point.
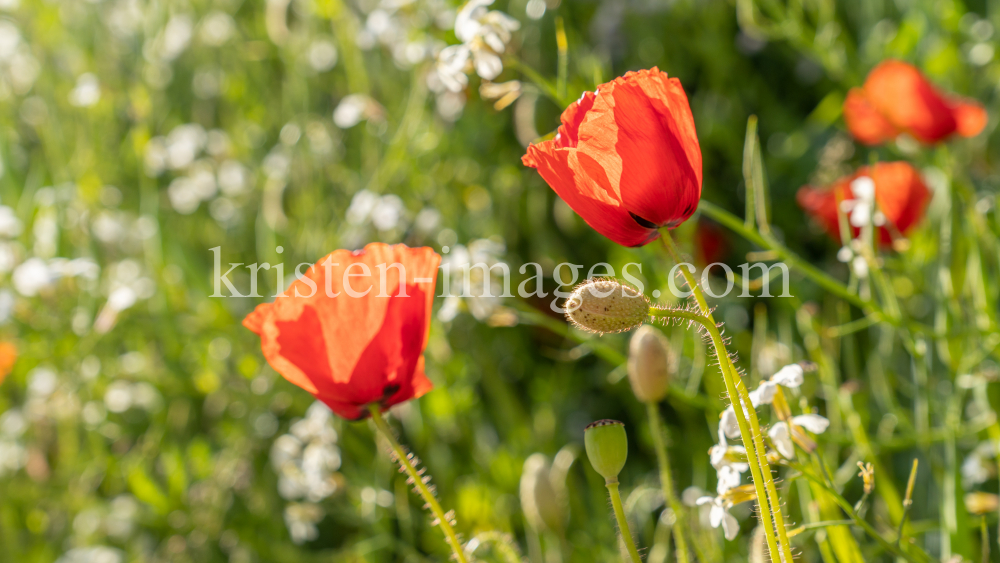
(970, 118)
(661, 159)
(864, 122)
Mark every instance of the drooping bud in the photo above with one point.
(649, 363)
(607, 447)
(539, 499)
(606, 305)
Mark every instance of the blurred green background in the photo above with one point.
(140, 422)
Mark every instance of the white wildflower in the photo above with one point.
(216, 28)
(32, 276)
(322, 55)
(790, 376)
(720, 516)
(10, 225)
(87, 91)
(781, 434)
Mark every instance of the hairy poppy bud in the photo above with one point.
(649, 364)
(539, 499)
(606, 305)
(607, 447)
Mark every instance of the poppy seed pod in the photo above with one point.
(606, 305)
(649, 364)
(607, 447)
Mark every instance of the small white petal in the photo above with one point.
(861, 214)
(730, 526)
(782, 440)
(812, 422)
(860, 266)
(863, 188)
(704, 500)
(789, 376)
(728, 478)
(729, 424)
(764, 393)
(717, 515)
(488, 66)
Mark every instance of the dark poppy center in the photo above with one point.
(644, 222)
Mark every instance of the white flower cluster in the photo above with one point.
(18, 68)
(306, 460)
(730, 461)
(386, 214)
(401, 26)
(13, 454)
(116, 519)
(980, 465)
(485, 35)
(861, 212)
(471, 279)
(200, 179)
(125, 287)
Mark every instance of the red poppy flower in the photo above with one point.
(352, 331)
(900, 193)
(8, 355)
(626, 157)
(897, 98)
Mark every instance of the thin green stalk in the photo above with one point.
(753, 441)
(795, 262)
(667, 483)
(422, 488)
(860, 522)
(741, 421)
(616, 502)
(907, 501)
(817, 525)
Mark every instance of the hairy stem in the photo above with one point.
(616, 503)
(667, 483)
(753, 441)
(422, 488)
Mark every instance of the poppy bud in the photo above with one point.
(607, 447)
(649, 364)
(606, 305)
(539, 499)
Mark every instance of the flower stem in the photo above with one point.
(422, 488)
(616, 502)
(667, 483)
(753, 441)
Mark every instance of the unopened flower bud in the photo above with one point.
(539, 500)
(607, 447)
(649, 364)
(606, 305)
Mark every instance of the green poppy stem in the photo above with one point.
(425, 491)
(753, 441)
(626, 533)
(667, 482)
